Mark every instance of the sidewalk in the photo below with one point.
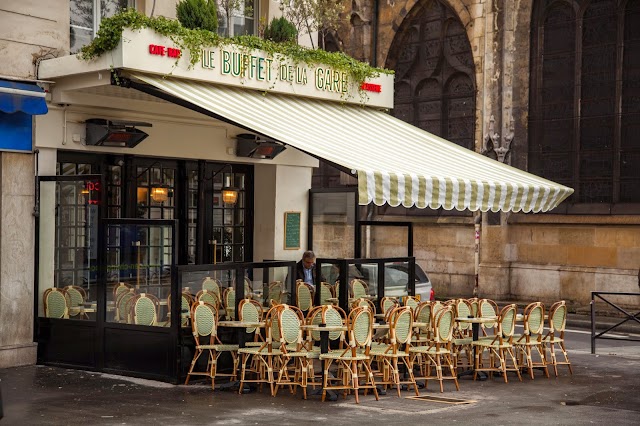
(603, 389)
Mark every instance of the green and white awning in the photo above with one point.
(396, 163)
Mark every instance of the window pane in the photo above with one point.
(81, 13)
(111, 7)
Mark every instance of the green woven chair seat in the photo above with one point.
(462, 341)
(254, 343)
(258, 351)
(345, 357)
(219, 347)
(379, 348)
(431, 350)
(490, 344)
(314, 353)
(303, 354)
(390, 354)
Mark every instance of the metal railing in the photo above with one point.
(629, 317)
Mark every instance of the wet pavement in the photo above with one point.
(603, 388)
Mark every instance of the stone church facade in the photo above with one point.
(548, 86)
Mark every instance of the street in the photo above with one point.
(604, 388)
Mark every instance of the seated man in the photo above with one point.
(306, 269)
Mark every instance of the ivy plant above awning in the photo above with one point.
(396, 163)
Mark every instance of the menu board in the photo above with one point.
(291, 230)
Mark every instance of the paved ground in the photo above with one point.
(604, 388)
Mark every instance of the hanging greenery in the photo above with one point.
(194, 40)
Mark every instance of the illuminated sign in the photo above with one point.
(92, 190)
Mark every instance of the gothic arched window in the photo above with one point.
(434, 82)
(584, 115)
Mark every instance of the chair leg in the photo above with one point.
(370, 379)
(529, 361)
(452, 368)
(566, 357)
(554, 360)
(354, 379)
(213, 357)
(193, 364)
(242, 374)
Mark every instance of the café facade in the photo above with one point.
(157, 173)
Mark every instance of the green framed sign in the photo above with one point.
(292, 230)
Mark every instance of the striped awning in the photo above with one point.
(396, 163)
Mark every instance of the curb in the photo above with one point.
(602, 323)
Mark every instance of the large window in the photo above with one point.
(434, 84)
(584, 113)
(237, 17)
(85, 17)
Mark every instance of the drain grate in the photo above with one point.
(442, 399)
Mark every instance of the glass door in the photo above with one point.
(67, 268)
(228, 222)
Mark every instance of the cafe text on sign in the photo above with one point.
(171, 52)
(371, 87)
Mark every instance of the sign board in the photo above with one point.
(146, 51)
(292, 230)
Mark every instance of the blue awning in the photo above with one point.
(22, 97)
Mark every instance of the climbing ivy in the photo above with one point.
(194, 40)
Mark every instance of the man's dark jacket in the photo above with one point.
(300, 273)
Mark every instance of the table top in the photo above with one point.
(318, 327)
(240, 324)
(481, 320)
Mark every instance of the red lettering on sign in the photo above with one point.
(370, 87)
(171, 52)
(155, 49)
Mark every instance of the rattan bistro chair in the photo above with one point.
(355, 360)
(304, 296)
(264, 357)
(387, 304)
(499, 346)
(292, 348)
(55, 304)
(487, 308)
(387, 356)
(144, 309)
(212, 285)
(532, 338)
(251, 311)
(359, 288)
(210, 297)
(438, 351)
(75, 297)
(327, 291)
(120, 288)
(555, 335)
(462, 334)
(123, 306)
(204, 323)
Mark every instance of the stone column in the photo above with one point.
(16, 259)
(497, 119)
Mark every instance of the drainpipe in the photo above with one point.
(374, 30)
(477, 223)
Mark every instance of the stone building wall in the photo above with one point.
(21, 48)
(522, 257)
